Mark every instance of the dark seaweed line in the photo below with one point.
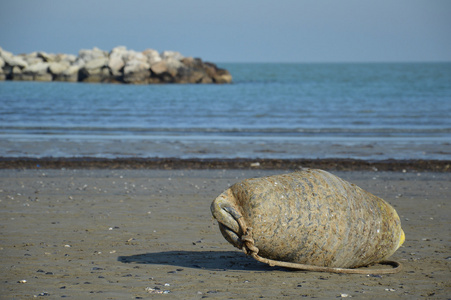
(238, 163)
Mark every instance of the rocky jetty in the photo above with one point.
(120, 65)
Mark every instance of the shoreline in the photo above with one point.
(338, 164)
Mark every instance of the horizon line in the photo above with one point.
(333, 62)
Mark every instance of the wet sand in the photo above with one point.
(129, 233)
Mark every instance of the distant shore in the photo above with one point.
(238, 163)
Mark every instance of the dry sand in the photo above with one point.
(127, 234)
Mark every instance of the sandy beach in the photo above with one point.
(124, 233)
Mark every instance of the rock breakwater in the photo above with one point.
(120, 65)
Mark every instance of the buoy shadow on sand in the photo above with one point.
(214, 261)
(210, 260)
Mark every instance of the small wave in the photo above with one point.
(218, 133)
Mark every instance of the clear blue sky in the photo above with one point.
(236, 30)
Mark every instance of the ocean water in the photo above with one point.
(364, 111)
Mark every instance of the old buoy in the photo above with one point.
(310, 220)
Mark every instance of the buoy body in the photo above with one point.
(309, 217)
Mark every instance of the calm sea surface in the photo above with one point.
(373, 111)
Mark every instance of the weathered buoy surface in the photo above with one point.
(309, 217)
